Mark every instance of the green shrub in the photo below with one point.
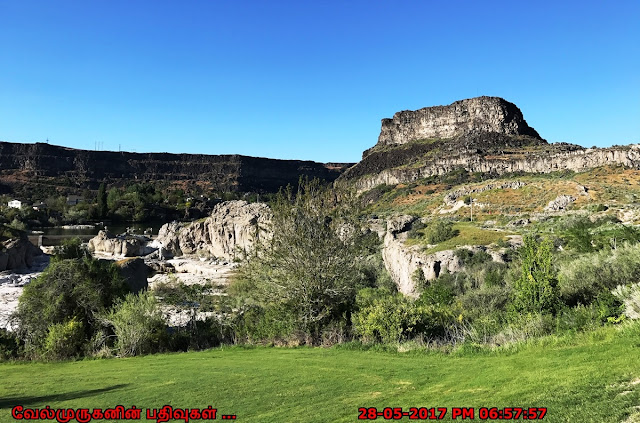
(535, 290)
(67, 289)
(137, 324)
(439, 231)
(438, 292)
(64, 340)
(71, 249)
(11, 346)
(470, 258)
(258, 324)
(388, 318)
(578, 318)
(583, 279)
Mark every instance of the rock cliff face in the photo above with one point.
(17, 253)
(89, 168)
(544, 161)
(230, 232)
(484, 134)
(402, 261)
(486, 114)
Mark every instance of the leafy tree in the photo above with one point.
(309, 270)
(536, 288)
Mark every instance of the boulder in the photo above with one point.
(135, 273)
(230, 232)
(119, 245)
(18, 253)
(560, 203)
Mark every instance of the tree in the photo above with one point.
(536, 288)
(309, 270)
(102, 202)
(68, 289)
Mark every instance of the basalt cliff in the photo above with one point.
(483, 134)
(45, 164)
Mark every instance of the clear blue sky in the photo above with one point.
(308, 79)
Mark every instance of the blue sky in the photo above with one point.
(308, 80)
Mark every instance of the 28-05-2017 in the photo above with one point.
(462, 413)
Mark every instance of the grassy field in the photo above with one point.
(582, 378)
(467, 234)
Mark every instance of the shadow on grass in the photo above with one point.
(47, 399)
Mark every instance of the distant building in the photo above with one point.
(73, 199)
(40, 206)
(16, 204)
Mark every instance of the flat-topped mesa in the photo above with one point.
(480, 114)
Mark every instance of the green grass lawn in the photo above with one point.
(584, 378)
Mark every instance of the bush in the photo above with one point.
(469, 258)
(440, 231)
(629, 295)
(535, 290)
(11, 346)
(137, 324)
(67, 289)
(64, 340)
(583, 279)
(385, 317)
(71, 249)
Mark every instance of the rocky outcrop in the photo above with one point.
(119, 245)
(230, 232)
(18, 253)
(560, 203)
(134, 271)
(402, 261)
(487, 114)
(548, 160)
(480, 135)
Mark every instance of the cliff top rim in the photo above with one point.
(482, 98)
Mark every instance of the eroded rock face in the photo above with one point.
(135, 273)
(18, 253)
(487, 114)
(577, 159)
(126, 246)
(402, 261)
(230, 232)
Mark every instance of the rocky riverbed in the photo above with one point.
(11, 286)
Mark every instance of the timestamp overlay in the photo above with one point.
(454, 413)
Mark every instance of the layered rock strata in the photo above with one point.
(481, 135)
(486, 114)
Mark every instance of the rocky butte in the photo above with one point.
(483, 134)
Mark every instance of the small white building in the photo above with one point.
(16, 204)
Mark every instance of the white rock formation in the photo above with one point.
(230, 232)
